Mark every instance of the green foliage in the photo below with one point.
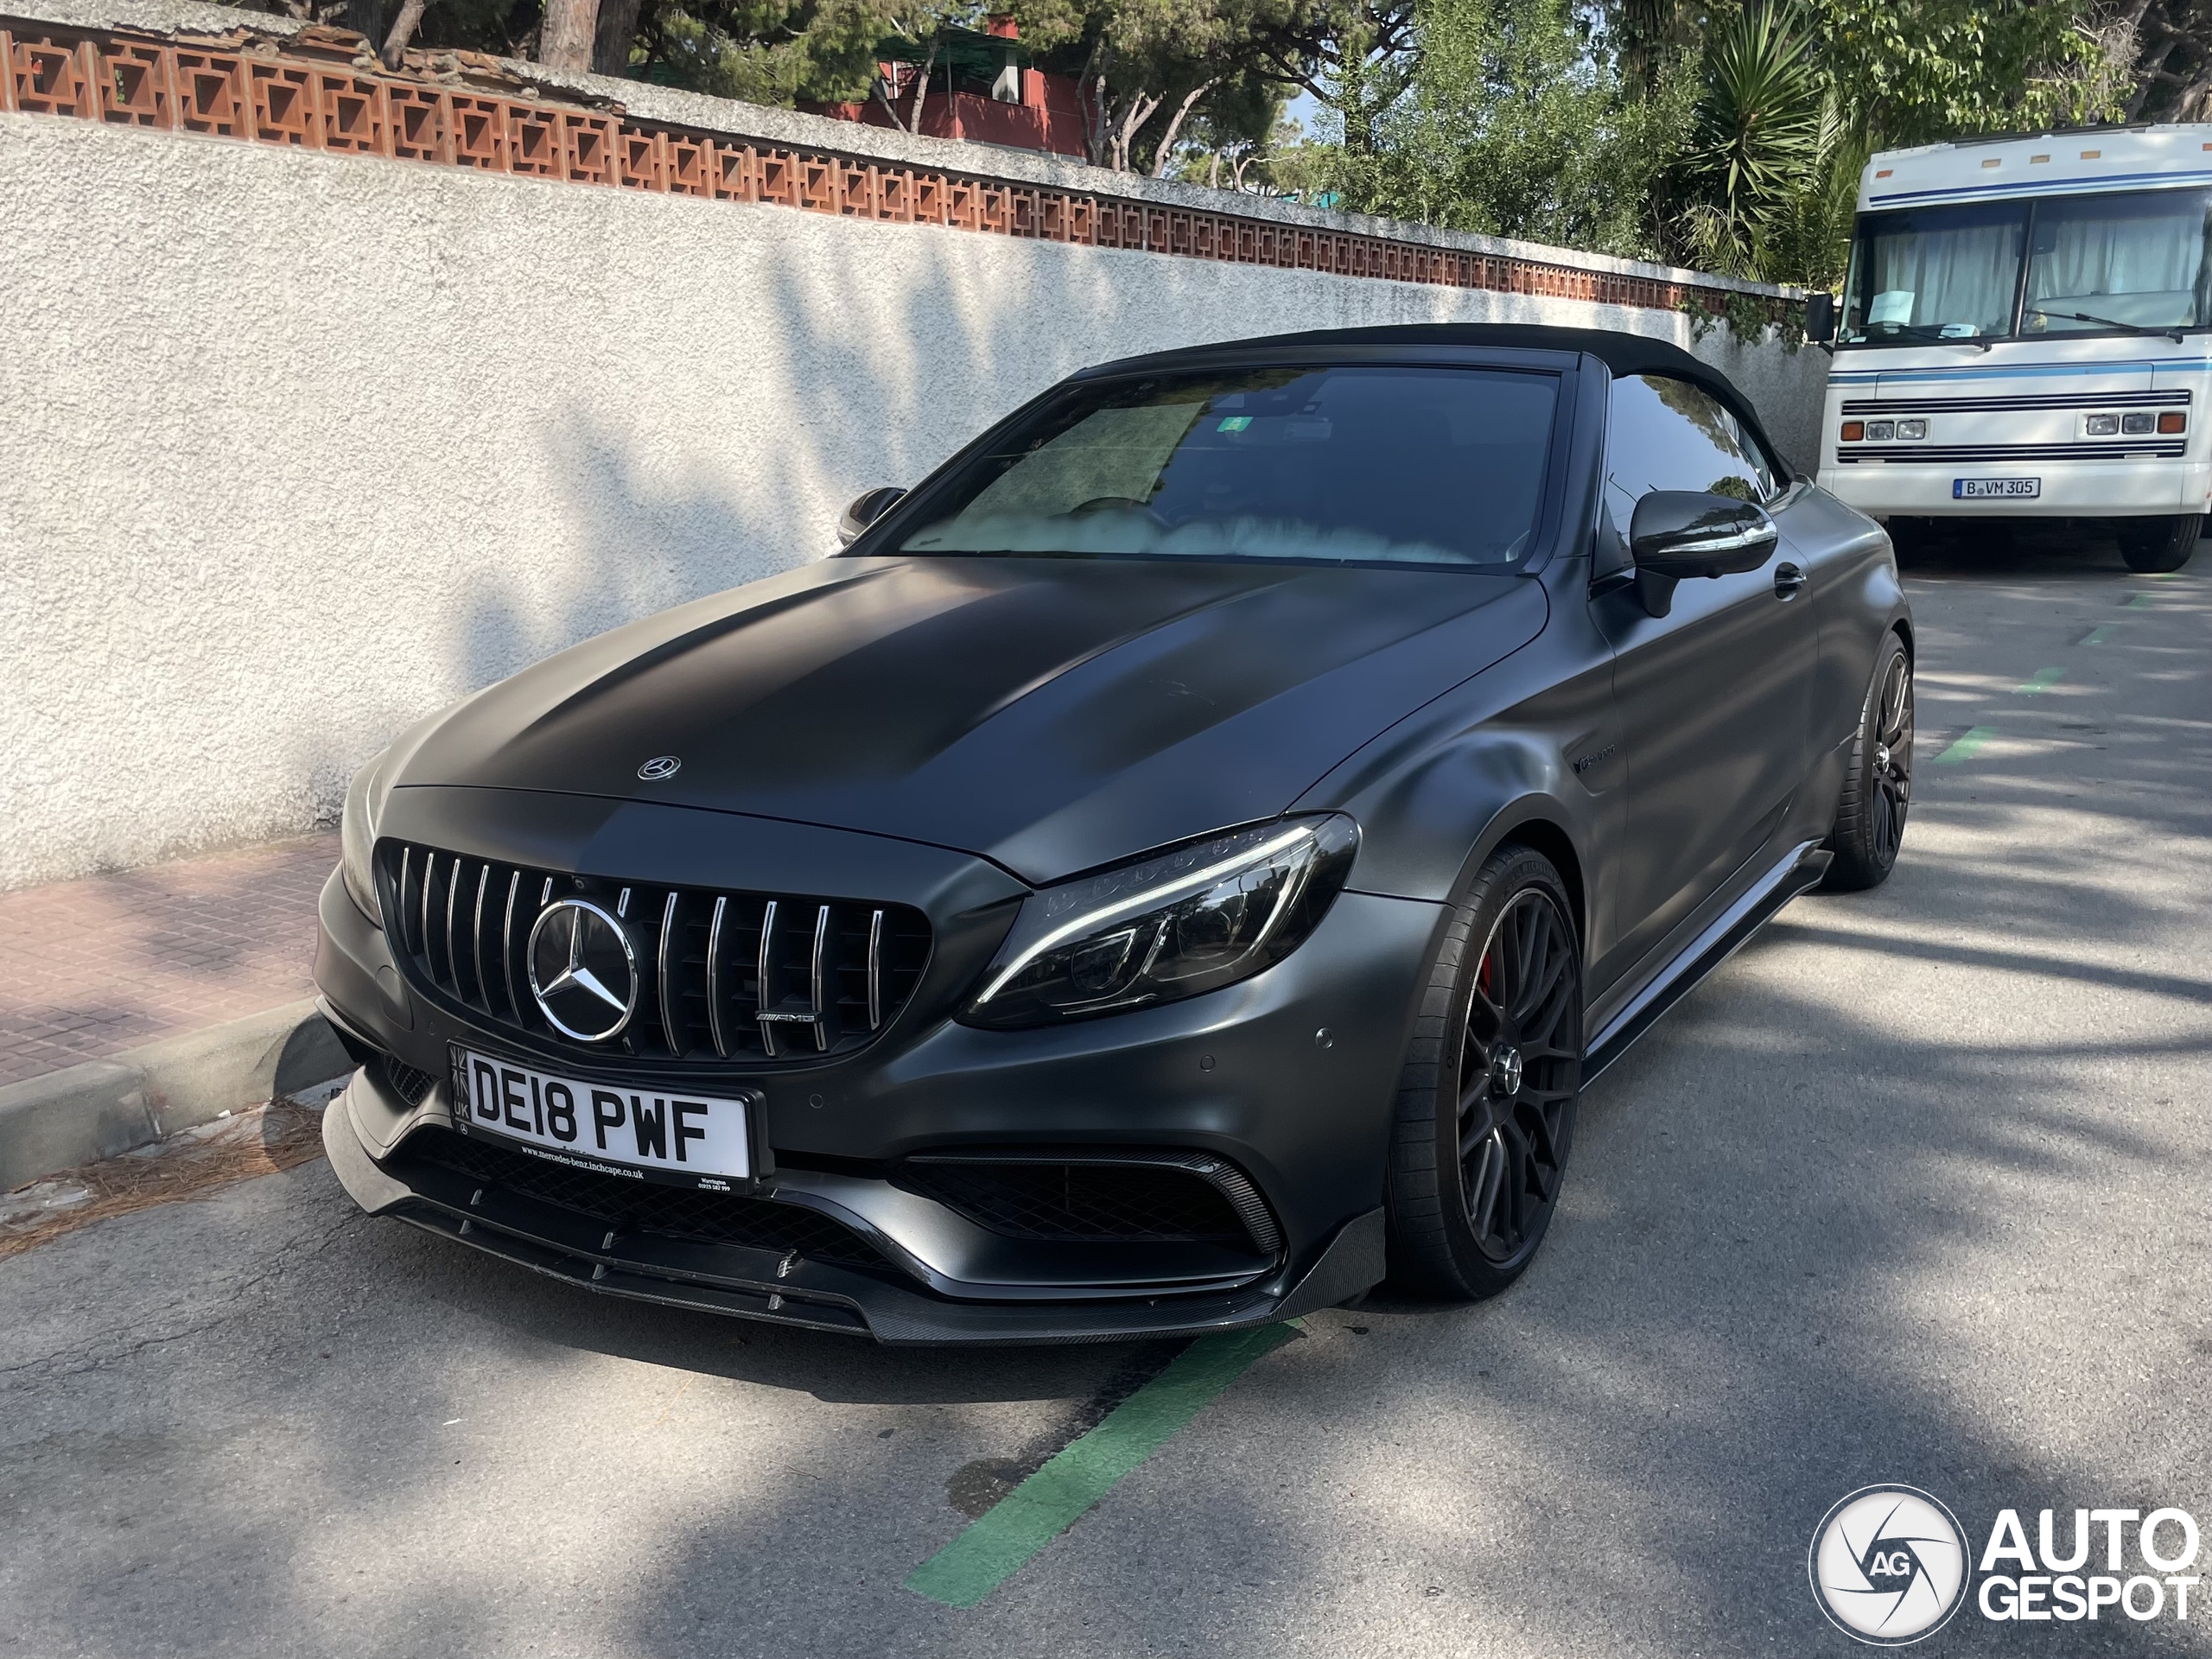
(1796, 93)
(762, 51)
(1910, 72)
(1513, 125)
(1757, 126)
(1768, 186)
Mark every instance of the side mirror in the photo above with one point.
(1820, 318)
(1684, 533)
(868, 506)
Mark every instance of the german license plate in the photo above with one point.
(698, 1139)
(1996, 489)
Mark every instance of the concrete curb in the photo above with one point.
(105, 1107)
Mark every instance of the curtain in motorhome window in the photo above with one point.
(1947, 272)
(2135, 259)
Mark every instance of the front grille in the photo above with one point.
(717, 975)
(1107, 1198)
(646, 1207)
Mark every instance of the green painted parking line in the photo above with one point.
(2098, 636)
(1969, 745)
(996, 1544)
(2140, 602)
(2043, 680)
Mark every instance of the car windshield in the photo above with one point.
(1350, 464)
(1933, 273)
(2137, 261)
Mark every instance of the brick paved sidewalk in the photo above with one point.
(99, 966)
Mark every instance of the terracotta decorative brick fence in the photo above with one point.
(321, 90)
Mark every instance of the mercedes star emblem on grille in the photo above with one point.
(583, 971)
(660, 767)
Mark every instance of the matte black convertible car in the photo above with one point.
(1180, 862)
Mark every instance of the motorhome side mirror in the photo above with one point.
(1684, 533)
(1820, 318)
(868, 506)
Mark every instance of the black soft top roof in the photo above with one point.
(1623, 354)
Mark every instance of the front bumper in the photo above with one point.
(1289, 1076)
(769, 1286)
(2071, 489)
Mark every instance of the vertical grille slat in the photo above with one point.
(875, 971)
(476, 940)
(817, 984)
(399, 894)
(764, 996)
(721, 975)
(430, 865)
(714, 978)
(668, 1004)
(507, 949)
(452, 899)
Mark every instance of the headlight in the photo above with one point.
(1173, 926)
(357, 838)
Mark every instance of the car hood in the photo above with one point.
(1052, 715)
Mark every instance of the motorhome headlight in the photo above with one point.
(2102, 426)
(2138, 426)
(1880, 431)
(1912, 429)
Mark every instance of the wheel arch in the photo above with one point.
(1535, 823)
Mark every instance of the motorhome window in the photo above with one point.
(1934, 274)
(2137, 260)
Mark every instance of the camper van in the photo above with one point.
(2026, 332)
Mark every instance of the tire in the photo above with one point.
(1485, 1113)
(2158, 546)
(1877, 780)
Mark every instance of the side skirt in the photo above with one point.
(1800, 869)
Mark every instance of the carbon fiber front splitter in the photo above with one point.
(758, 1284)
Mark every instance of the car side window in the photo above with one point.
(1664, 433)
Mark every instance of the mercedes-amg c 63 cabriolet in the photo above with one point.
(1177, 865)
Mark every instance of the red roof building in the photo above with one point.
(981, 86)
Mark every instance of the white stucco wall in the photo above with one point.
(296, 447)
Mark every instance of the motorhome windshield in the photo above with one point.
(2102, 262)
(1935, 273)
(2108, 264)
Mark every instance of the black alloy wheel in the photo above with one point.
(1486, 1111)
(1877, 782)
(1519, 1069)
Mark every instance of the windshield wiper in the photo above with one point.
(2171, 331)
(1932, 336)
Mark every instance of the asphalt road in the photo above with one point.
(1914, 1190)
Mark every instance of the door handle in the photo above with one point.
(1788, 579)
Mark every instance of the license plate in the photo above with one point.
(697, 1140)
(1996, 489)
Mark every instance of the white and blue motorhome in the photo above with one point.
(2026, 331)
